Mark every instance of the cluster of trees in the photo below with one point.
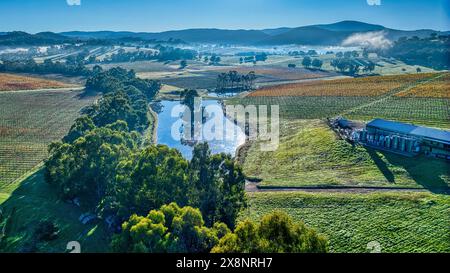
(212, 60)
(350, 54)
(351, 66)
(167, 53)
(261, 57)
(47, 67)
(308, 62)
(433, 51)
(303, 53)
(117, 79)
(161, 53)
(172, 229)
(132, 56)
(235, 81)
(108, 172)
(275, 233)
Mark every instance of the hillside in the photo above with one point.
(323, 34)
(23, 38)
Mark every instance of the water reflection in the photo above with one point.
(166, 122)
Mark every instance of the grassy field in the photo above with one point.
(29, 121)
(34, 201)
(9, 82)
(311, 155)
(399, 222)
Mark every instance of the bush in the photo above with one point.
(275, 233)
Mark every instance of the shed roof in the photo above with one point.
(404, 128)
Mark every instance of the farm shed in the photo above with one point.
(406, 139)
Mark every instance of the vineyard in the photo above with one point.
(399, 222)
(423, 100)
(439, 88)
(29, 121)
(369, 86)
(10, 82)
(434, 112)
(305, 107)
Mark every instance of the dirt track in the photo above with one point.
(253, 187)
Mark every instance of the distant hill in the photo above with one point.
(311, 35)
(335, 34)
(323, 34)
(23, 38)
(188, 35)
(351, 26)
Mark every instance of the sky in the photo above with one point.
(161, 15)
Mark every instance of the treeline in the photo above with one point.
(260, 57)
(235, 81)
(161, 53)
(303, 53)
(352, 66)
(47, 67)
(433, 51)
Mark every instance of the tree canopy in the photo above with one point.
(170, 229)
(275, 233)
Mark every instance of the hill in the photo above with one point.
(23, 38)
(323, 34)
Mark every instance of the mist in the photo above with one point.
(371, 40)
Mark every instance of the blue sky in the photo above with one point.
(159, 15)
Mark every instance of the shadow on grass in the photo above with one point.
(34, 201)
(382, 166)
(87, 94)
(425, 171)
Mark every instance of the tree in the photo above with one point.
(119, 106)
(169, 230)
(183, 64)
(81, 126)
(418, 70)
(275, 233)
(219, 183)
(147, 180)
(317, 63)
(307, 61)
(369, 67)
(292, 65)
(85, 167)
(234, 80)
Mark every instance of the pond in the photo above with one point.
(169, 122)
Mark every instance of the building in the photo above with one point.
(405, 139)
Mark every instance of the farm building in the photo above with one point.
(405, 139)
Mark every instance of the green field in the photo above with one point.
(34, 201)
(399, 222)
(29, 121)
(310, 154)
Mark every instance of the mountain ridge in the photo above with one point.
(320, 34)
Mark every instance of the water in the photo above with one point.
(166, 122)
